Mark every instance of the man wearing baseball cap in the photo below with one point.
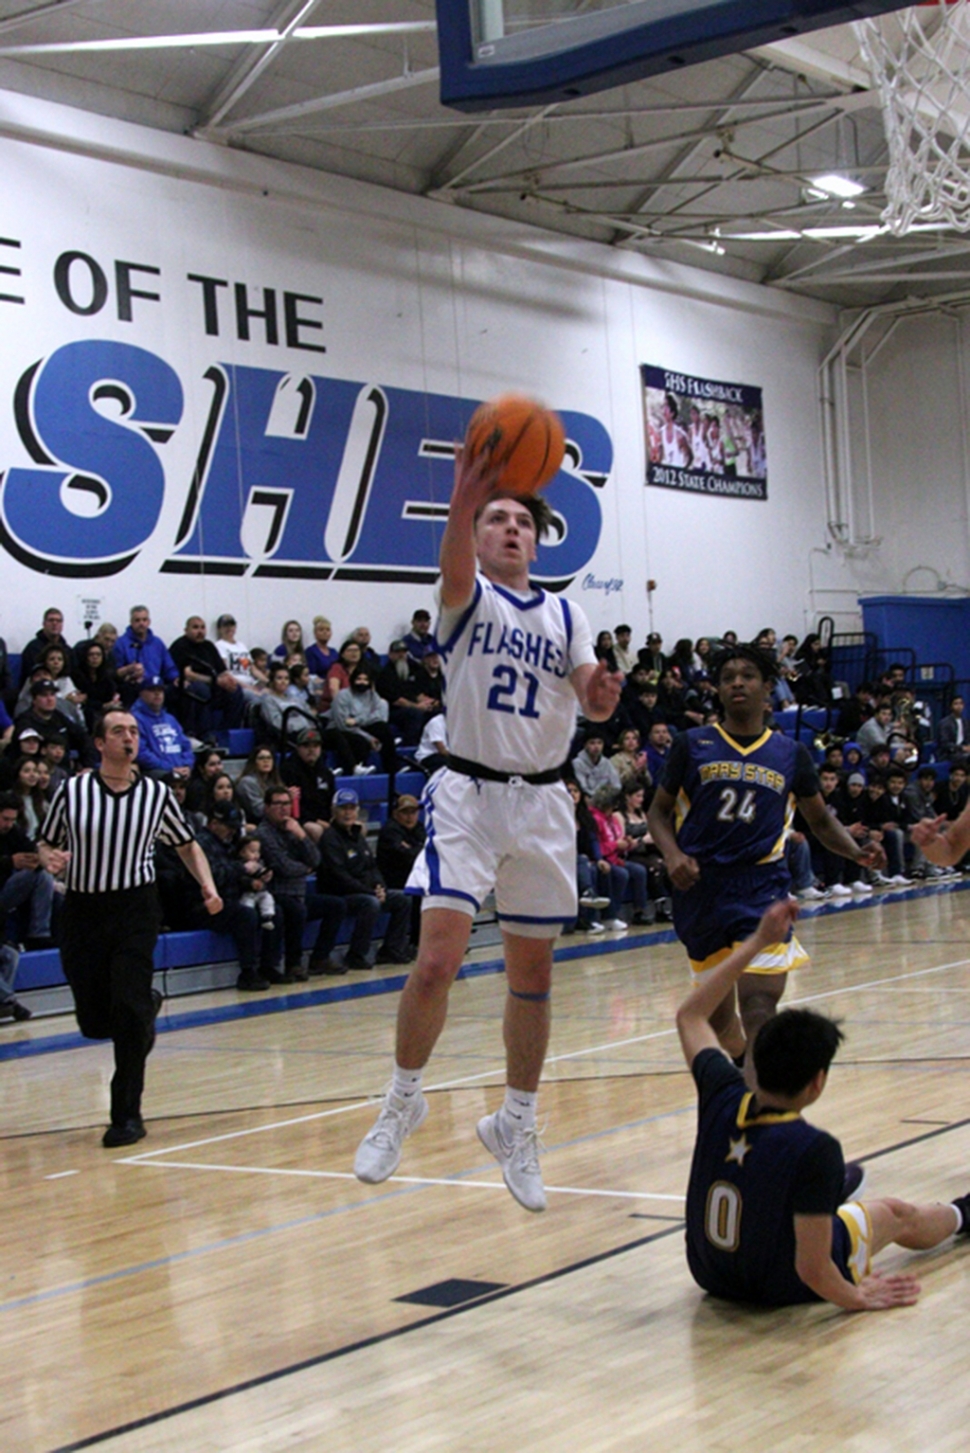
(163, 746)
(349, 869)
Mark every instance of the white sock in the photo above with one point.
(405, 1083)
(519, 1109)
(959, 1215)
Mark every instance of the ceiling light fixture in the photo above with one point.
(832, 185)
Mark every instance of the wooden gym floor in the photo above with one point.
(228, 1284)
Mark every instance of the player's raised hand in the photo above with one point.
(883, 1292)
(603, 689)
(776, 921)
(929, 830)
(476, 477)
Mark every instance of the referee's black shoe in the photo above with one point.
(124, 1134)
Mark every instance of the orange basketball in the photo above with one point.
(524, 440)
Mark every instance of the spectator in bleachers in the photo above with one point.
(338, 677)
(107, 635)
(25, 788)
(951, 734)
(361, 634)
(682, 657)
(276, 705)
(207, 686)
(855, 710)
(55, 755)
(886, 825)
(813, 684)
(140, 653)
(293, 856)
(782, 691)
(630, 760)
(852, 757)
(591, 768)
(208, 765)
(257, 942)
(875, 731)
(361, 717)
(237, 659)
(259, 774)
(51, 666)
(94, 677)
(419, 638)
(432, 750)
(24, 884)
(50, 634)
(48, 722)
(644, 850)
(834, 758)
(305, 771)
(704, 654)
(651, 655)
(320, 656)
(431, 677)
(400, 683)
(658, 745)
(920, 801)
(952, 795)
(603, 650)
(291, 644)
(625, 657)
(163, 746)
(615, 848)
(767, 641)
(839, 876)
(638, 703)
(399, 842)
(6, 728)
(349, 869)
(679, 704)
(299, 687)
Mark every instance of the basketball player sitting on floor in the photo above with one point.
(766, 1221)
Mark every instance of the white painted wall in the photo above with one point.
(420, 296)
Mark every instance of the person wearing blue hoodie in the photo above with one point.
(163, 746)
(139, 654)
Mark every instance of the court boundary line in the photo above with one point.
(362, 1344)
(370, 988)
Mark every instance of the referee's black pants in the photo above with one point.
(107, 944)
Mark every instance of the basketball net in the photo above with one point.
(919, 60)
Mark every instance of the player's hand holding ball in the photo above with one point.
(513, 444)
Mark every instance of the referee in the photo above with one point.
(102, 827)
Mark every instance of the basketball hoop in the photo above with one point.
(919, 60)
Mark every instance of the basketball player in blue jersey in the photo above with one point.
(498, 815)
(721, 816)
(765, 1223)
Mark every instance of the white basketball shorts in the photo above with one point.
(510, 836)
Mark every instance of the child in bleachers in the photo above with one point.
(256, 894)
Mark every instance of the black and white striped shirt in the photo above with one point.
(111, 835)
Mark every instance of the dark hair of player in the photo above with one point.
(790, 1050)
(743, 651)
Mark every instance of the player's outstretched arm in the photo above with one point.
(475, 480)
(815, 1267)
(695, 1012)
(943, 842)
(836, 838)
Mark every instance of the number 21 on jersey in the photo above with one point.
(508, 689)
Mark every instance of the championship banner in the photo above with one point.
(703, 435)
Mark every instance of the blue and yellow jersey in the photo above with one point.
(736, 796)
(753, 1171)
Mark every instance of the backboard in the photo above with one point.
(504, 53)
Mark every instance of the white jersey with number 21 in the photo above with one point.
(507, 659)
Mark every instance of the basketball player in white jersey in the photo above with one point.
(674, 444)
(697, 433)
(498, 815)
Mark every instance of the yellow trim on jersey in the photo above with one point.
(681, 809)
(745, 751)
(778, 847)
(766, 1117)
(855, 1217)
(776, 958)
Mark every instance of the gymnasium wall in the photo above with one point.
(909, 435)
(228, 383)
